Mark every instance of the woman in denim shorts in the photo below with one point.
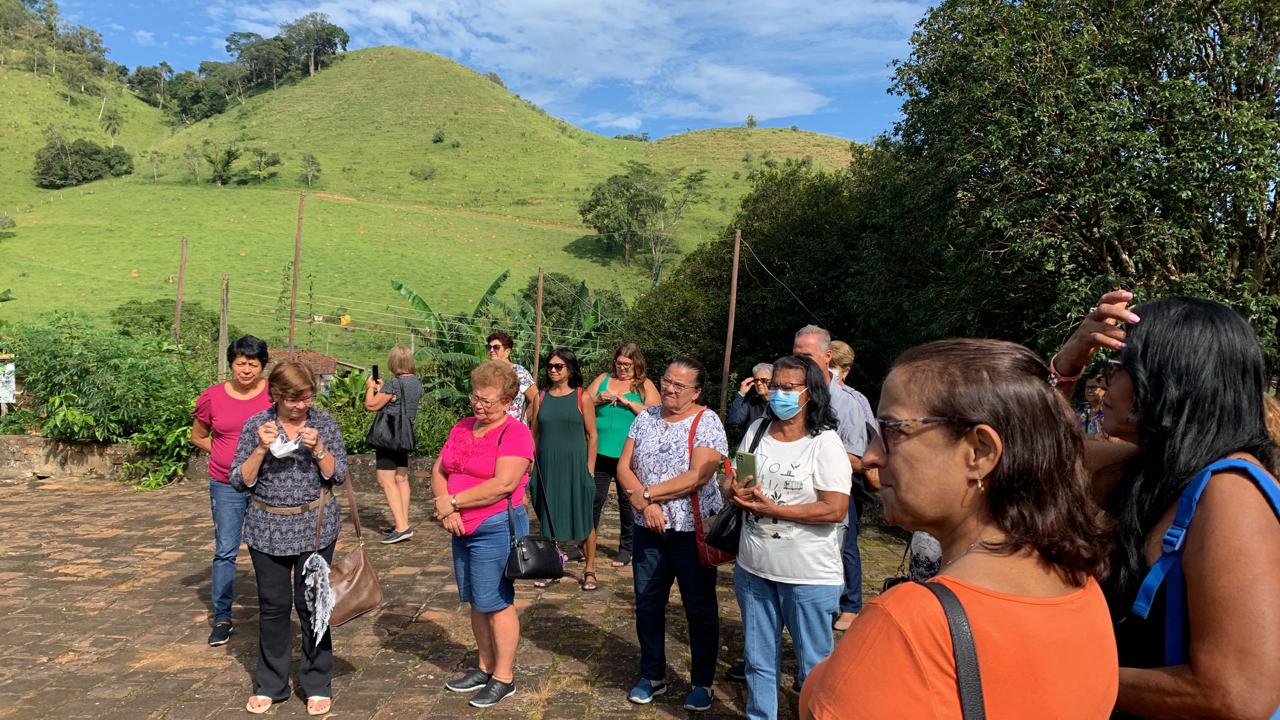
(483, 466)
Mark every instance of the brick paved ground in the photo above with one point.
(104, 601)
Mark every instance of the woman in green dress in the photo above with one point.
(561, 486)
(619, 394)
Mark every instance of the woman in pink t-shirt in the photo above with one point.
(221, 411)
(483, 465)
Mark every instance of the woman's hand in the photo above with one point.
(755, 501)
(636, 498)
(1099, 329)
(371, 384)
(610, 397)
(453, 523)
(655, 518)
(310, 438)
(443, 506)
(267, 434)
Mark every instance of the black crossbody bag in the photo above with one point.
(533, 557)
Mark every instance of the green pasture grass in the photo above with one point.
(507, 198)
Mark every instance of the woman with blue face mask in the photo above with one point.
(789, 572)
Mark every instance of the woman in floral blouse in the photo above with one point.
(672, 451)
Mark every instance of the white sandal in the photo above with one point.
(258, 710)
(318, 699)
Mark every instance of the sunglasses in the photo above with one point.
(556, 366)
(1109, 370)
(496, 347)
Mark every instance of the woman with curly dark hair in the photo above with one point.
(978, 450)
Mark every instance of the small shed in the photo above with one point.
(324, 366)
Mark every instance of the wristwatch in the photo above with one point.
(453, 502)
(645, 495)
(321, 455)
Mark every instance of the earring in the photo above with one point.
(981, 487)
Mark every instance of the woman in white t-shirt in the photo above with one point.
(789, 572)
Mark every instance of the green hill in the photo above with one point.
(503, 196)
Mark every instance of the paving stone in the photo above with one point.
(107, 615)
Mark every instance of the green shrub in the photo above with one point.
(438, 137)
(424, 173)
(94, 384)
(63, 164)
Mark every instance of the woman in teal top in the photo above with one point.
(619, 395)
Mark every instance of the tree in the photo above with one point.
(310, 168)
(191, 156)
(261, 164)
(313, 38)
(642, 205)
(220, 159)
(226, 79)
(63, 164)
(112, 121)
(751, 122)
(494, 78)
(155, 158)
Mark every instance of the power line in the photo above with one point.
(779, 280)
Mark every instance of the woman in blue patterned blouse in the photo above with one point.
(672, 452)
(289, 457)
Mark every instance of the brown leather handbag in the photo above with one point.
(355, 584)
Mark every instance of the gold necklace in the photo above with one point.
(947, 563)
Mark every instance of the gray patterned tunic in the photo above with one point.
(289, 481)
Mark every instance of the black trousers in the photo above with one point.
(280, 585)
(606, 475)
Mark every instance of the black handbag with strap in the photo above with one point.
(725, 532)
(968, 679)
(532, 557)
(390, 429)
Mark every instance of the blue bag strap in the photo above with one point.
(1167, 570)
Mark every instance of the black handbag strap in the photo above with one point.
(755, 441)
(968, 679)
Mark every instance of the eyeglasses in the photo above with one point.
(890, 428)
(556, 366)
(623, 365)
(483, 402)
(1109, 370)
(680, 387)
(496, 347)
(789, 387)
(299, 401)
(761, 380)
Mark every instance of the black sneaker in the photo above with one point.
(221, 633)
(473, 680)
(493, 693)
(737, 672)
(395, 537)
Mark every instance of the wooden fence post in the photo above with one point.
(537, 329)
(222, 329)
(728, 340)
(297, 259)
(182, 281)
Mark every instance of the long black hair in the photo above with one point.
(818, 414)
(570, 363)
(1198, 377)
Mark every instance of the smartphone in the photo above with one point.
(375, 373)
(745, 463)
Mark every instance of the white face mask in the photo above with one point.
(281, 447)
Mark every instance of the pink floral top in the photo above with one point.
(468, 461)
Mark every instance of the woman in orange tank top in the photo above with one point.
(978, 450)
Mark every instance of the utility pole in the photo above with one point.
(728, 340)
(297, 259)
(537, 329)
(222, 329)
(182, 281)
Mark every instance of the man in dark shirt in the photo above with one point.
(752, 400)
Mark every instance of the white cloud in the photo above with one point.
(614, 120)
(726, 93)
(144, 38)
(692, 59)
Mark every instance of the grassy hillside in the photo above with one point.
(505, 197)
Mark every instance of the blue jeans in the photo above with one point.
(480, 562)
(851, 599)
(228, 506)
(807, 611)
(658, 560)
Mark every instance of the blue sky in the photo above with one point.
(611, 66)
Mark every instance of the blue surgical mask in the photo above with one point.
(785, 403)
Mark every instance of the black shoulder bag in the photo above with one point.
(725, 532)
(968, 679)
(389, 430)
(533, 557)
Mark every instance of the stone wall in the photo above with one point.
(23, 457)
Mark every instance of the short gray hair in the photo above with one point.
(767, 367)
(824, 336)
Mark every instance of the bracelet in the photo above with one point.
(1056, 378)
